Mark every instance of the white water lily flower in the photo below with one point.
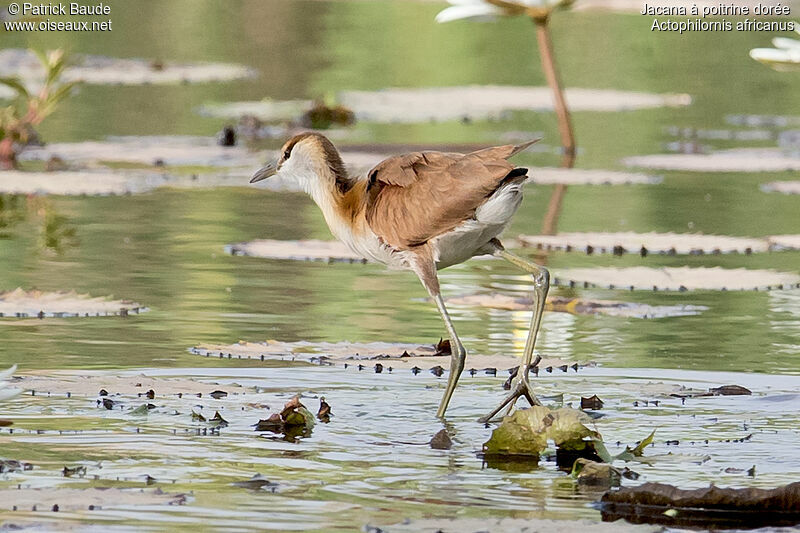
(488, 9)
(7, 392)
(784, 57)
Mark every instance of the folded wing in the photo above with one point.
(415, 197)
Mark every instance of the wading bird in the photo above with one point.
(422, 211)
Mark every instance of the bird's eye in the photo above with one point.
(286, 154)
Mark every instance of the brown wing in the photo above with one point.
(415, 197)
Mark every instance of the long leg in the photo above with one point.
(541, 285)
(422, 264)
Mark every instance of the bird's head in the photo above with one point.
(312, 160)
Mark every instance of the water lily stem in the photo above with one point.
(550, 224)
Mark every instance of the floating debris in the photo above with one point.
(730, 390)
(711, 507)
(257, 482)
(308, 250)
(578, 306)
(647, 243)
(441, 441)
(12, 465)
(70, 471)
(20, 303)
(580, 176)
(592, 403)
(324, 413)
(734, 160)
(676, 278)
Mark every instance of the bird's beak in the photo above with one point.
(266, 171)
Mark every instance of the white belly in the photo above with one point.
(490, 220)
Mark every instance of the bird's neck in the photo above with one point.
(342, 204)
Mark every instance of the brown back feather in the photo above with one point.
(415, 197)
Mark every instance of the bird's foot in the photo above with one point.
(522, 388)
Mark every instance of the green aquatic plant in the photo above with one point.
(539, 12)
(30, 106)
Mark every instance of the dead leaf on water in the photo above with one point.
(441, 441)
(711, 507)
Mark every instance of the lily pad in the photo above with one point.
(103, 70)
(65, 499)
(676, 278)
(578, 306)
(580, 176)
(395, 355)
(784, 187)
(408, 105)
(647, 243)
(163, 150)
(86, 383)
(308, 250)
(784, 242)
(22, 304)
(735, 160)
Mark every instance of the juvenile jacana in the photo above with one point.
(422, 211)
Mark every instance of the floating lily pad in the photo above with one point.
(578, 306)
(451, 103)
(397, 355)
(490, 101)
(309, 250)
(784, 242)
(23, 304)
(676, 278)
(735, 160)
(162, 150)
(785, 187)
(646, 243)
(95, 69)
(84, 383)
(579, 176)
(65, 499)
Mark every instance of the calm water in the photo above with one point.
(165, 250)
